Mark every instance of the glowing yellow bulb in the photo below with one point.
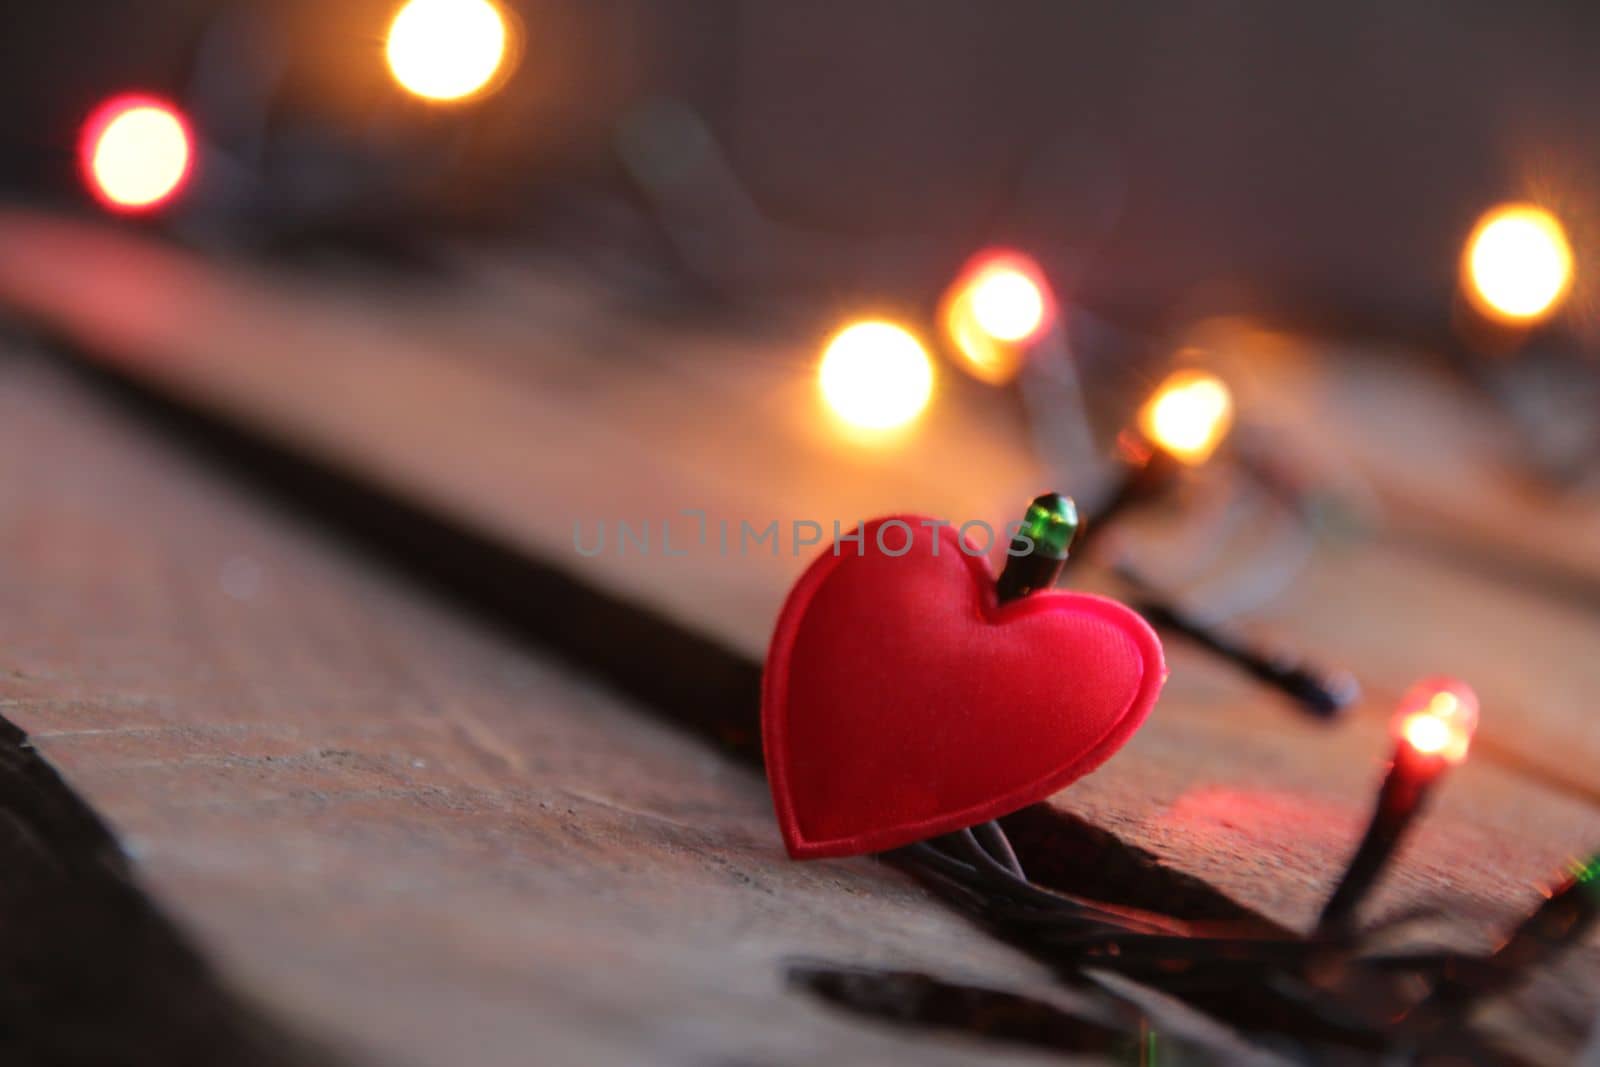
(875, 376)
(1438, 717)
(1427, 734)
(1189, 415)
(135, 153)
(446, 49)
(996, 306)
(1518, 264)
(1007, 304)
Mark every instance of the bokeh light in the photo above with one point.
(136, 153)
(1518, 265)
(1189, 415)
(1007, 304)
(447, 50)
(1437, 717)
(875, 376)
(998, 305)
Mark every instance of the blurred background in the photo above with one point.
(1322, 163)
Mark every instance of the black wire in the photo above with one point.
(997, 844)
(970, 868)
(1271, 979)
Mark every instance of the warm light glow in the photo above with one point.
(1189, 415)
(875, 376)
(135, 153)
(1006, 303)
(1426, 733)
(1437, 717)
(446, 49)
(998, 304)
(1518, 265)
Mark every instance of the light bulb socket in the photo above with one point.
(1039, 551)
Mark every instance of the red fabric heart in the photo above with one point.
(901, 701)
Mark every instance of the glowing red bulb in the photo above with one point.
(1437, 717)
(136, 153)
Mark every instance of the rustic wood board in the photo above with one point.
(526, 417)
(394, 827)
(448, 403)
(1440, 456)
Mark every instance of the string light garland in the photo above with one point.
(1000, 316)
(1433, 729)
(1321, 693)
(1004, 326)
(1181, 425)
(1560, 922)
(1243, 970)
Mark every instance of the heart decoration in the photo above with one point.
(901, 700)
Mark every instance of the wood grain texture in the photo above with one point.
(94, 971)
(532, 407)
(1443, 460)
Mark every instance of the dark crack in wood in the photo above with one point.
(91, 971)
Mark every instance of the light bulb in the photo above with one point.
(1437, 717)
(136, 153)
(446, 50)
(998, 305)
(1188, 416)
(1518, 265)
(875, 375)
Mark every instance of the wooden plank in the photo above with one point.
(464, 407)
(394, 827)
(1442, 460)
(524, 426)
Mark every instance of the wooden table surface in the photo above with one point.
(376, 813)
(418, 840)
